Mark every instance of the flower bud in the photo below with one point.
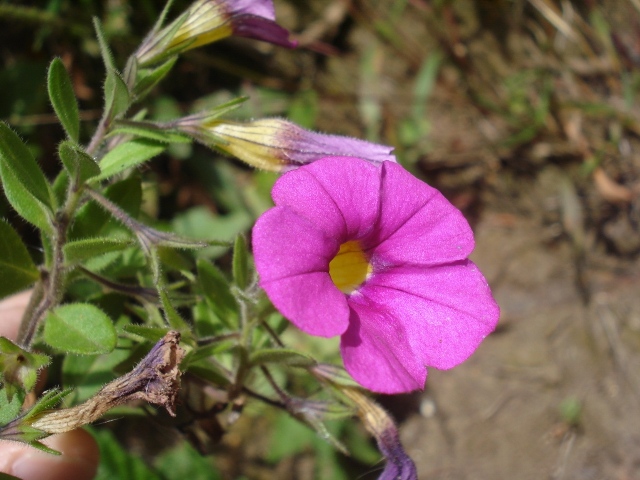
(208, 21)
(276, 144)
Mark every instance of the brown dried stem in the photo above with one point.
(156, 380)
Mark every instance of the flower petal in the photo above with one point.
(339, 195)
(253, 26)
(375, 351)
(445, 312)
(292, 257)
(261, 8)
(417, 225)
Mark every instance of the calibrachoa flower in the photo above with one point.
(208, 21)
(375, 255)
(276, 144)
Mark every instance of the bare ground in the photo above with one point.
(554, 392)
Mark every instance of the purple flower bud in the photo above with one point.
(208, 21)
(279, 145)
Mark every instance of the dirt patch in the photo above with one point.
(554, 392)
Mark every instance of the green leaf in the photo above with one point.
(241, 262)
(117, 462)
(15, 155)
(24, 203)
(24, 183)
(217, 293)
(148, 131)
(81, 250)
(105, 51)
(63, 99)
(280, 356)
(298, 438)
(128, 155)
(9, 407)
(20, 430)
(199, 223)
(211, 350)
(116, 94)
(47, 401)
(94, 221)
(211, 112)
(60, 186)
(17, 270)
(89, 373)
(172, 317)
(153, 334)
(77, 162)
(80, 328)
(147, 78)
(209, 372)
(18, 367)
(183, 461)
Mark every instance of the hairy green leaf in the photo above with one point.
(153, 334)
(217, 293)
(80, 328)
(77, 162)
(241, 262)
(128, 155)
(210, 372)
(24, 183)
(89, 373)
(24, 203)
(81, 250)
(20, 430)
(105, 51)
(47, 401)
(147, 78)
(9, 407)
(280, 356)
(148, 131)
(211, 350)
(15, 155)
(60, 186)
(116, 93)
(18, 367)
(94, 221)
(172, 317)
(63, 99)
(17, 270)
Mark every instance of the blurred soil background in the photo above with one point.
(525, 113)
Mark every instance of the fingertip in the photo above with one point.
(12, 309)
(79, 459)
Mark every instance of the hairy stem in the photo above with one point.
(52, 284)
(50, 289)
(98, 135)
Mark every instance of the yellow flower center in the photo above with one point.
(350, 267)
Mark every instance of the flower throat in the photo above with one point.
(350, 267)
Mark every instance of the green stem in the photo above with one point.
(98, 135)
(52, 284)
(50, 289)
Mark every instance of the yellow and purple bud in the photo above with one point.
(278, 145)
(208, 21)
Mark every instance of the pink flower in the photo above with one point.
(375, 255)
(207, 21)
